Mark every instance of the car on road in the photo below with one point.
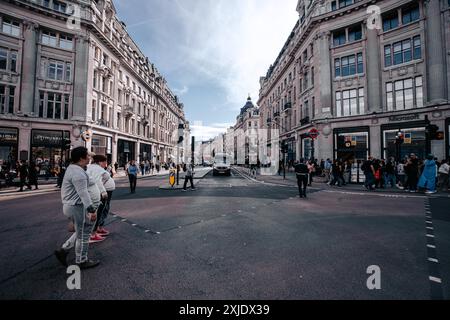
(222, 165)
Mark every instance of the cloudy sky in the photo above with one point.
(212, 52)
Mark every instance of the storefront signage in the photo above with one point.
(42, 138)
(408, 138)
(8, 136)
(408, 117)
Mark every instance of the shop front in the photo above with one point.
(351, 144)
(47, 150)
(145, 152)
(102, 145)
(9, 139)
(125, 152)
(447, 138)
(415, 140)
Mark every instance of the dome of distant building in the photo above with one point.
(248, 105)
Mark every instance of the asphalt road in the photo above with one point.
(233, 239)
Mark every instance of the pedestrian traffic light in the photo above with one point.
(66, 144)
(431, 131)
(400, 138)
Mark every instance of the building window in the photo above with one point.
(94, 80)
(404, 94)
(94, 110)
(349, 65)
(312, 80)
(49, 38)
(390, 21)
(339, 38)
(419, 91)
(334, 5)
(417, 48)
(3, 59)
(7, 98)
(410, 14)
(350, 102)
(11, 27)
(403, 51)
(68, 71)
(387, 56)
(55, 40)
(55, 70)
(59, 6)
(66, 42)
(355, 33)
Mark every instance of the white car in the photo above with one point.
(221, 165)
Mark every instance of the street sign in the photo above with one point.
(172, 177)
(313, 133)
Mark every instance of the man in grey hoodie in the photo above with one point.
(78, 207)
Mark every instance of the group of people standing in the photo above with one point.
(86, 194)
(409, 174)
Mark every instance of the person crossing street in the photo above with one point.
(302, 172)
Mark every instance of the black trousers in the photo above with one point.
(186, 179)
(302, 182)
(133, 181)
(23, 182)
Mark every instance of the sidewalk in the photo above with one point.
(320, 183)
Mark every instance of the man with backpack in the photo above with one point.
(302, 171)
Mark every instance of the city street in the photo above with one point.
(234, 238)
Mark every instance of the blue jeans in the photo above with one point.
(390, 177)
(370, 180)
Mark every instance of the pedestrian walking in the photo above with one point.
(189, 176)
(389, 174)
(412, 172)
(428, 178)
(132, 172)
(444, 170)
(23, 175)
(336, 172)
(116, 167)
(302, 173)
(327, 170)
(79, 198)
(33, 175)
(369, 173)
(107, 185)
(401, 175)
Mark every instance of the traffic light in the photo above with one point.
(66, 144)
(284, 147)
(431, 131)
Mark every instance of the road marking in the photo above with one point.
(124, 220)
(431, 246)
(430, 236)
(147, 231)
(434, 279)
(433, 260)
(430, 228)
(134, 224)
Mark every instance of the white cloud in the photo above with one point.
(203, 133)
(234, 42)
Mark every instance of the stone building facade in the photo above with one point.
(360, 72)
(70, 71)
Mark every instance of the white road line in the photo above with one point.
(434, 279)
(134, 224)
(433, 260)
(431, 246)
(430, 236)
(147, 231)
(430, 228)
(124, 220)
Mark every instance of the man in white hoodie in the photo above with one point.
(97, 172)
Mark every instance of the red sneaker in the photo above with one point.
(96, 238)
(102, 232)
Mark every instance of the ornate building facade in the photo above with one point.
(361, 72)
(69, 70)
